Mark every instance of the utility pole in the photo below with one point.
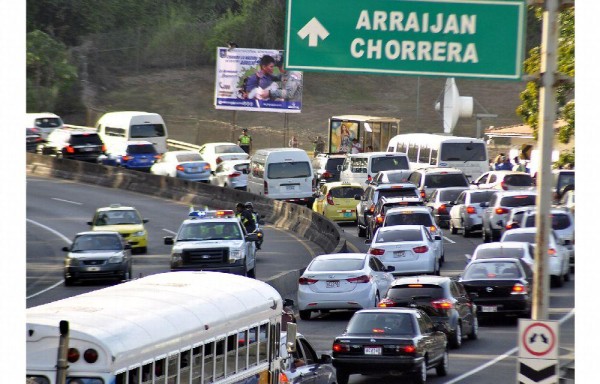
(547, 115)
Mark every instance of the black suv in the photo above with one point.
(325, 168)
(74, 144)
(445, 300)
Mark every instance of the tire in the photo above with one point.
(496, 235)
(143, 249)
(420, 376)
(305, 315)
(556, 281)
(474, 334)
(436, 271)
(341, 376)
(377, 299)
(442, 259)
(486, 238)
(567, 276)
(252, 273)
(456, 337)
(466, 232)
(453, 229)
(362, 232)
(69, 281)
(442, 368)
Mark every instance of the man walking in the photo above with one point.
(245, 141)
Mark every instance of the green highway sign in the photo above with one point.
(458, 38)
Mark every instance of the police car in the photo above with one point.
(213, 241)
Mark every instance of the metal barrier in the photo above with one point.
(182, 145)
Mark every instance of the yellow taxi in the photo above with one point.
(125, 220)
(336, 200)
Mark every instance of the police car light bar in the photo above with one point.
(222, 213)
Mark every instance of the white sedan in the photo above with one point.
(215, 153)
(187, 165)
(504, 249)
(410, 249)
(231, 174)
(342, 281)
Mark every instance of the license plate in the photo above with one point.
(194, 169)
(489, 308)
(93, 269)
(348, 214)
(399, 253)
(144, 160)
(86, 149)
(290, 187)
(372, 350)
(332, 284)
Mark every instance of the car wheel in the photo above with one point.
(442, 368)
(420, 376)
(252, 273)
(496, 235)
(342, 377)
(442, 259)
(474, 328)
(466, 232)
(567, 276)
(556, 281)
(143, 249)
(377, 299)
(437, 268)
(305, 315)
(453, 229)
(486, 237)
(456, 336)
(362, 232)
(69, 281)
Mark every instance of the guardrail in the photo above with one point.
(182, 145)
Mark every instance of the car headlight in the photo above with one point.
(73, 262)
(115, 259)
(235, 255)
(139, 233)
(176, 257)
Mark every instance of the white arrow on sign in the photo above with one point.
(314, 30)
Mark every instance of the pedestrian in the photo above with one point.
(369, 148)
(356, 146)
(319, 145)
(293, 143)
(518, 167)
(245, 141)
(505, 164)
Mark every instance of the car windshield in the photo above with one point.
(85, 139)
(559, 221)
(564, 179)
(345, 192)
(397, 192)
(522, 237)
(519, 180)
(183, 157)
(209, 231)
(321, 265)
(405, 218)
(147, 130)
(398, 177)
(290, 169)
(496, 270)
(463, 152)
(381, 323)
(481, 197)
(410, 291)
(139, 149)
(517, 201)
(242, 167)
(490, 253)
(446, 180)
(385, 163)
(96, 242)
(228, 149)
(399, 235)
(117, 217)
(449, 194)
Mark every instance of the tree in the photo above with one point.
(49, 72)
(529, 110)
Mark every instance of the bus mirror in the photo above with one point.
(292, 331)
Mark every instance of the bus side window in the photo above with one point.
(220, 359)
(134, 376)
(424, 155)
(147, 373)
(253, 346)
(242, 352)
(159, 371)
(197, 364)
(434, 157)
(263, 348)
(208, 362)
(120, 378)
(232, 345)
(184, 366)
(413, 152)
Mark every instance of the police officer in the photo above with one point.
(250, 207)
(246, 217)
(245, 141)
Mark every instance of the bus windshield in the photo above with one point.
(463, 152)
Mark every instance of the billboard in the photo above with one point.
(254, 80)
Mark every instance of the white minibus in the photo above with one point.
(433, 150)
(116, 128)
(282, 174)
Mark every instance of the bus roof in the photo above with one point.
(363, 118)
(168, 309)
(432, 138)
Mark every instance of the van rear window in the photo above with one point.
(147, 130)
(463, 152)
(289, 169)
(386, 163)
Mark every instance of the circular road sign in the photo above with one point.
(538, 339)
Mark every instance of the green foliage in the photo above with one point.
(528, 110)
(566, 159)
(49, 73)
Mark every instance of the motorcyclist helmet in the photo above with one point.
(249, 205)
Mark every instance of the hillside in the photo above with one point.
(185, 99)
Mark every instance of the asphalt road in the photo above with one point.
(57, 209)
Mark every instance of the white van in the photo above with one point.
(282, 174)
(362, 167)
(116, 128)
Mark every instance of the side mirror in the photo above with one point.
(288, 302)
(291, 334)
(437, 327)
(468, 256)
(567, 242)
(127, 246)
(390, 268)
(89, 223)
(145, 220)
(168, 240)
(474, 182)
(357, 197)
(437, 237)
(325, 359)
(65, 249)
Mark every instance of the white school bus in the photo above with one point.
(433, 150)
(169, 328)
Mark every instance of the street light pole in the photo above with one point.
(547, 113)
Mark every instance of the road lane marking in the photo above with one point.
(353, 247)
(452, 241)
(65, 238)
(66, 201)
(501, 357)
(169, 231)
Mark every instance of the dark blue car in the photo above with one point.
(138, 155)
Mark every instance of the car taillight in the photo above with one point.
(443, 209)
(552, 252)
(90, 355)
(421, 249)
(103, 148)
(206, 167)
(386, 303)
(338, 347)
(376, 251)
(126, 158)
(265, 188)
(471, 210)
(69, 149)
(330, 199)
(72, 355)
(360, 279)
(306, 281)
(180, 168)
(379, 219)
(234, 174)
(219, 160)
(409, 349)
(326, 175)
(503, 185)
(422, 193)
(519, 289)
(369, 179)
(157, 156)
(501, 211)
(442, 304)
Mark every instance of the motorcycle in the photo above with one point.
(259, 232)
